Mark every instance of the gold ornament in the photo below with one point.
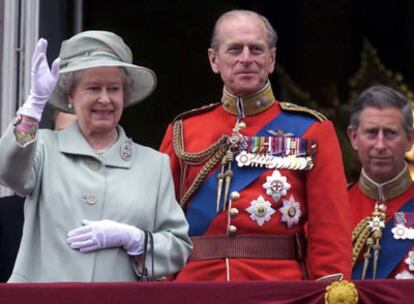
(342, 292)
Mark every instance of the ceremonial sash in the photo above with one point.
(202, 208)
(392, 250)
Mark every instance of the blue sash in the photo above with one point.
(392, 250)
(202, 208)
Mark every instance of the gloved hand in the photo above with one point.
(43, 82)
(106, 234)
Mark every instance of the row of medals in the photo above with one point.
(280, 151)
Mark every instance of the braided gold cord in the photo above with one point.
(208, 166)
(359, 238)
(358, 229)
(369, 232)
(193, 158)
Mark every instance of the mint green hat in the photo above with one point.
(91, 49)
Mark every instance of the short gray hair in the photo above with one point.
(270, 31)
(68, 81)
(381, 97)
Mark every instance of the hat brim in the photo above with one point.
(143, 82)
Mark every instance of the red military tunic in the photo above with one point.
(363, 197)
(320, 192)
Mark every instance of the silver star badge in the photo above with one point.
(290, 211)
(260, 210)
(405, 274)
(376, 224)
(410, 260)
(276, 185)
(399, 232)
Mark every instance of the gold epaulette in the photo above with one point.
(287, 106)
(195, 111)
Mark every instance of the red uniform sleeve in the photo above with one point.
(167, 148)
(329, 222)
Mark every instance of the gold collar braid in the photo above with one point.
(249, 105)
(387, 190)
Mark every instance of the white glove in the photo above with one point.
(106, 234)
(43, 82)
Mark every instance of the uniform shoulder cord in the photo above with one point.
(210, 156)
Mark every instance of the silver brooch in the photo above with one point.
(126, 150)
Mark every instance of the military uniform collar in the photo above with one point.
(387, 190)
(120, 154)
(248, 105)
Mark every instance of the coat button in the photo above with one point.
(234, 195)
(234, 212)
(232, 229)
(242, 125)
(90, 199)
(93, 164)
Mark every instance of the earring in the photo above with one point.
(70, 105)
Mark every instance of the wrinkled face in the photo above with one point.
(98, 99)
(381, 142)
(243, 58)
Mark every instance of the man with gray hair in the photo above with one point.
(382, 202)
(261, 181)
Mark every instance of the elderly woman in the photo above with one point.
(91, 191)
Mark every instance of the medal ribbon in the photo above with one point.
(275, 145)
(399, 218)
(202, 208)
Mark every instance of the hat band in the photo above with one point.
(86, 55)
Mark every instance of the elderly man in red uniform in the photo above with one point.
(382, 202)
(252, 173)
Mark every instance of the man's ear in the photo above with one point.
(273, 60)
(212, 57)
(352, 134)
(410, 136)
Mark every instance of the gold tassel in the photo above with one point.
(367, 257)
(377, 249)
(227, 178)
(359, 238)
(220, 178)
(368, 233)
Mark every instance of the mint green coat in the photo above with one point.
(66, 182)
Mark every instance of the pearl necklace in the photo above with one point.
(103, 150)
